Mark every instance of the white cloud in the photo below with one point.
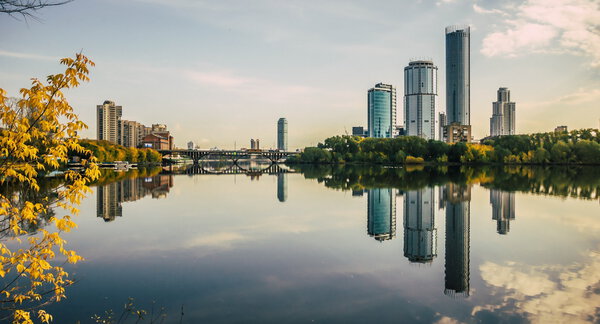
(481, 10)
(549, 26)
(27, 56)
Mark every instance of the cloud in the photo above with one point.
(556, 294)
(564, 26)
(482, 10)
(27, 56)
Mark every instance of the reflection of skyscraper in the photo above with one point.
(381, 213)
(282, 187)
(503, 209)
(458, 212)
(108, 204)
(420, 235)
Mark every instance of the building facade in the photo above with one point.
(420, 99)
(442, 123)
(282, 134)
(109, 122)
(455, 132)
(503, 115)
(458, 75)
(381, 103)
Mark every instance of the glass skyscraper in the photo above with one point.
(458, 75)
(282, 134)
(381, 110)
(420, 99)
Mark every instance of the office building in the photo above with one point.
(420, 234)
(458, 215)
(503, 115)
(381, 103)
(282, 134)
(503, 209)
(443, 122)
(359, 131)
(458, 71)
(420, 99)
(561, 129)
(381, 213)
(109, 122)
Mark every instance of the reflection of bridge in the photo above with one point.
(231, 169)
(197, 155)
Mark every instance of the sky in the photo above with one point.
(219, 73)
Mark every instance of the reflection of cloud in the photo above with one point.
(222, 239)
(574, 297)
(543, 25)
(447, 320)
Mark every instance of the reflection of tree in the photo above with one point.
(566, 181)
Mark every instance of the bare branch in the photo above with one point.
(27, 8)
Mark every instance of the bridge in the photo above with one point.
(234, 155)
(273, 169)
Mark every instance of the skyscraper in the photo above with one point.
(381, 110)
(420, 234)
(503, 115)
(458, 71)
(443, 123)
(381, 213)
(420, 99)
(282, 134)
(109, 122)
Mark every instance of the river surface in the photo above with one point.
(341, 245)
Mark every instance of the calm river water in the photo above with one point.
(341, 245)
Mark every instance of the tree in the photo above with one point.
(27, 8)
(32, 143)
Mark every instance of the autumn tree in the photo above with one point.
(37, 131)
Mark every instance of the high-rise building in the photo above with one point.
(420, 234)
(443, 122)
(458, 71)
(359, 131)
(381, 110)
(381, 213)
(282, 134)
(131, 133)
(420, 99)
(109, 122)
(458, 215)
(503, 209)
(503, 115)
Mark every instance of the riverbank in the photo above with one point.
(578, 147)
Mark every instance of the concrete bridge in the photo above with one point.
(233, 155)
(234, 168)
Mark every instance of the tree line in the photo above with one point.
(106, 151)
(575, 147)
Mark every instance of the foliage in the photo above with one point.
(105, 151)
(36, 133)
(575, 147)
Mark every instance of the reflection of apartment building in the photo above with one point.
(503, 209)
(420, 234)
(381, 213)
(111, 196)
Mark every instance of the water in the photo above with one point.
(342, 245)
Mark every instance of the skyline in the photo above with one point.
(306, 60)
